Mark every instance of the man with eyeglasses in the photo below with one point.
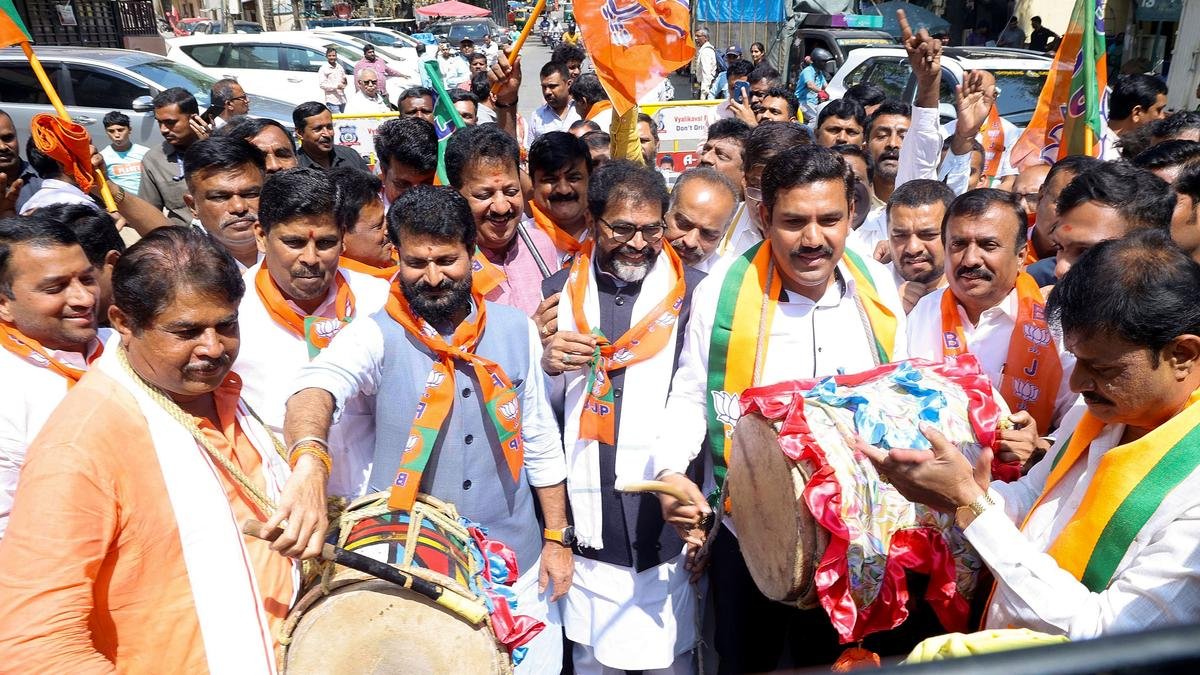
(228, 100)
(614, 346)
(369, 99)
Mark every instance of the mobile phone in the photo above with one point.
(741, 91)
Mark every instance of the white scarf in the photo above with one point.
(644, 399)
(236, 631)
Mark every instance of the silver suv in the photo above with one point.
(92, 82)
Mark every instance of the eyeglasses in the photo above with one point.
(243, 97)
(623, 232)
(370, 82)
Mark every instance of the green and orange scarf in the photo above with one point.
(316, 331)
(500, 397)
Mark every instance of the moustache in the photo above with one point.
(501, 216)
(812, 250)
(249, 219)
(208, 365)
(893, 155)
(974, 273)
(631, 252)
(307, 273)
(556, 197)
(1094, 399)
(914, 259)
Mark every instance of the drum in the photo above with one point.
(348, 622)
(816, 524)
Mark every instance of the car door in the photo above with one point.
(259, 68)
(91, 91)
(302, 64)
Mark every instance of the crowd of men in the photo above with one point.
(554, 322)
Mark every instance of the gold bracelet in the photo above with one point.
(311, 448)
(308, 439)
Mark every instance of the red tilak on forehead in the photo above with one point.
(312, 236)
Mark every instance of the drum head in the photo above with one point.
(779, 539)
(377, 627)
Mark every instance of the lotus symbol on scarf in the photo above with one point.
(1036, 335)
(728, 408)
(510, 410)
(1026, 390)
(40, 360)
(327, 329)
(434, 380)
(623, 356)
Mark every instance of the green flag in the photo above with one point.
(12, 29)
(446, 119)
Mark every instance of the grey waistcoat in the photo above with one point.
(467, 467)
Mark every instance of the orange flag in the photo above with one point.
(12, 29)
(635, 44)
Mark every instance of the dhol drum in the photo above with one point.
(816, 524)
(349, 622)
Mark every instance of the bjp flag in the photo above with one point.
(12, 29)
(635, 44)
(1070, 115)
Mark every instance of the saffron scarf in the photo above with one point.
(485, 276)
(1129, 485)
(385, 273)
(500, 397)
(745, 309)
(1032, 371)
(639, 343)
(316, 331)
(563, 241)
(32, 351)
(993, 143)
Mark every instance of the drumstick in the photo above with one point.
(516, 48)
(472, 611)
(666, 489)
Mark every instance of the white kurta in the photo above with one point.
(1157, 582)
(270, 358)
(988, 341)
(29, 395)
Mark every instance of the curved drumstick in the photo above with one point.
(658, 486)
(473, 612)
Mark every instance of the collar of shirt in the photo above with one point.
(1006, 308)
(834, 293)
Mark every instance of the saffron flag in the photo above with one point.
(446, 119)
(1071, 114)
(635, 44)
(12, 29)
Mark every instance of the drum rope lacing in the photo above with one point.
(260, 499)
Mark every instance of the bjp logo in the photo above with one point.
(951, 339)
(510, 410)
(1037, 336)
(1026, 390)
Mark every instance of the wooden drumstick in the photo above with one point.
(473, 612)
(658, 486)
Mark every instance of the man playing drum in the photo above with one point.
(798, 305)
(623, 307)
(1100, 537)
(461, 411)
(297, 299)
(993, 309)
(143, 476)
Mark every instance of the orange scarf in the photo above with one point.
(485, 276)
(993, 143)
(385, 273)
(563, 241)
(1032, 372)
(598, 108)
(316, 331)
(639, 343)
(32, 351)
(500, 398)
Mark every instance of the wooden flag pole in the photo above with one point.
(55, 101)
(516, 48)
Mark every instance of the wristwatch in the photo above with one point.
(971, 511)
(565, 536)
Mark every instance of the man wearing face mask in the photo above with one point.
(627, 295)
(482, 163)
(224, 181)
(995, 311)
(297, 300)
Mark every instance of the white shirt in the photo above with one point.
(1157, 582)
(706, 71)
(808, 339)
(54, 191)
(332, 80)
(741, 235)
(31, 393)
(492, 51)
(359, 104)
(454, 70)
(271, 356)
(352, 365)
(545, 120)
(988, 341)
(868, 235)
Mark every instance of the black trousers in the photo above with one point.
(755, 634)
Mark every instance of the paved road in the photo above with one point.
(533, 56)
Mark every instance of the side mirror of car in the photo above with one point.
(142, 104)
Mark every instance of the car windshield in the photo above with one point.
(474, 30)
(848, 45)
(167, 74)
(1019, 89)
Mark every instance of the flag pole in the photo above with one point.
(516, 48)
(55, 101)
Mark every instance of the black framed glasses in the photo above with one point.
(623, 232)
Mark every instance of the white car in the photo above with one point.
(404, 59)
(381, 37)
(1019, 75)
(283, 64)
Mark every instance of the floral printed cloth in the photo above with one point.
(875, 533)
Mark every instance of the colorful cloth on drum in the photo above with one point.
(458, 550)
(875, 534)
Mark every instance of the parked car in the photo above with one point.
(837, 41)
(380, 37)
(207, 26)
(284, 63)
(92, 82)
(472, 28)
(1019, 75)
